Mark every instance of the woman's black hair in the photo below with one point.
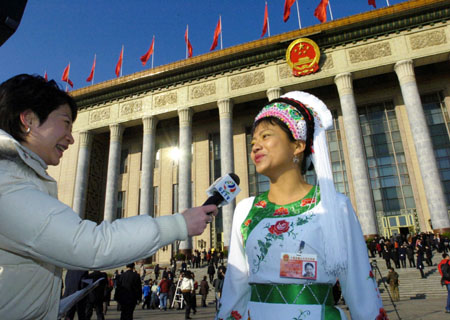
(30, 92)
(309, 119)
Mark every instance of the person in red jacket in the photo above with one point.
(445, 260)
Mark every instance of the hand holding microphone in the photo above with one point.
(220, 193)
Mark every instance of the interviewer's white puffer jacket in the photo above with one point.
(40, 235)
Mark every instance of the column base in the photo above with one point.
(442, 230)
(186, 252)
(370, 236)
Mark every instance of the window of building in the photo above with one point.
(124, 161)
(388, 174)
(157, 156)
(120, 211)
(155, 201)
(175, 198)
(438, 122)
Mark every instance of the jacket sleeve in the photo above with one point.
(358, 283)
(37, 225)
(236, 289)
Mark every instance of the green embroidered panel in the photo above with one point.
(262, 208)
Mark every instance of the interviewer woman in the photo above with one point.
(280, 235)
(40, 235)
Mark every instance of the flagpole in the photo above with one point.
(121, 65)
(187, 29)
(268, 24)
(68, 78)
(220, 19)
(298, 15)
(93, 75)
(331, 13)
(153, 53)
(387, 2)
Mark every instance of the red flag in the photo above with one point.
(188, 43)
(119, 64)
(287, 9)
(45, 76)
(216, 35)
(65, 76)
(266, 18)
(149, 53)
(372, 2)
(321, 11)
(91, 75)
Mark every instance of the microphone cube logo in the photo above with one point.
(231, 186)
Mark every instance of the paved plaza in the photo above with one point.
(422, 308)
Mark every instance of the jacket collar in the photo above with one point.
(11, 149)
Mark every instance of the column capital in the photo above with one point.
(116, 130)
(85, 138)
(274, 93)
(225, 108)
(344, 83)
(185, 117)
(405, 71)
(150, 123)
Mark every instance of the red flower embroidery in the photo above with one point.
(236, 315)
(247, 223)
(261, 204)
(308, 201)
(281, 212)
(382, 315)
(280, 227)
(371, 274)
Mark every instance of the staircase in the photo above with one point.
(411, 285)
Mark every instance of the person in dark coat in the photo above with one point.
(204, 289)
(157, 270)
(387, 256)
(402, 255)
(211, 272)
(395, 257)
(74, 282)
(428, 255)
(410, 255)
(96, 296)
(420, 265)
(129, 286)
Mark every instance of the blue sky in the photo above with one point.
(53, 33)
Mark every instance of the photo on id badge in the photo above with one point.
(299, 266)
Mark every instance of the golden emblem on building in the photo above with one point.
(303, 57)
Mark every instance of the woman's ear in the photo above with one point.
(300, 147)
(29, 119)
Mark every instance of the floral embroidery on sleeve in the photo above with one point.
(308, 201)
(247, 223)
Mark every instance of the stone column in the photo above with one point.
(148, 163)
(184, 170)
(81, 179)
(274, 93)
(424, 148)
(115, 147)
(363, 195)
(226, 161)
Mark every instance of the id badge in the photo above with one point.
(298, 266)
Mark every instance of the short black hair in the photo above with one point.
(309, 264)
(30, 92)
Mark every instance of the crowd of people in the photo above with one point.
(417, 249)
(163, 288)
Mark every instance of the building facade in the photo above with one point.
(152, 142)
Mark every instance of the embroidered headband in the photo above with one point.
(289, 115)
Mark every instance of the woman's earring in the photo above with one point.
(28, 130)
(296, 159)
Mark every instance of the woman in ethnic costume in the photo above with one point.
(290, 244)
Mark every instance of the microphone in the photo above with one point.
(223, 190)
